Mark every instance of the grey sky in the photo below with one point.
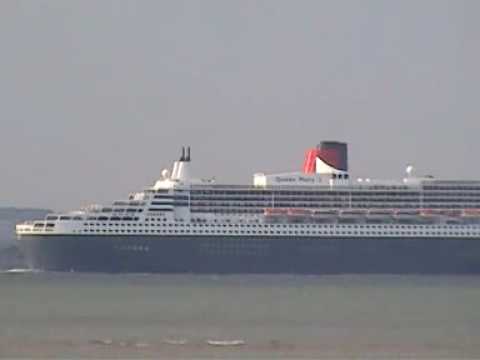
(96, 97)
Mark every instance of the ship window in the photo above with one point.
(65, 218)
(52, 217)
(119, 203)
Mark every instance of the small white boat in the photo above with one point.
(21, 271)
(175, 341)
(107, 342)
(225, 342)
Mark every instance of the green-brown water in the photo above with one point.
(172, 316)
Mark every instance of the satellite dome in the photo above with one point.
(409, 170)
(165, 173)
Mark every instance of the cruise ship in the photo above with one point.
(315, 221)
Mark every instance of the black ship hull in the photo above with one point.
(217, 255)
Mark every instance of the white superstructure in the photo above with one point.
(324, 203)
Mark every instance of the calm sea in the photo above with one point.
(71, 315)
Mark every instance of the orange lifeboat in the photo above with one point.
(299, 212)
(429, 212)
(471, 212)
(275, 211)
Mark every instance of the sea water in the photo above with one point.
(66, 315)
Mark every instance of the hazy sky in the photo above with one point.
(96, 97)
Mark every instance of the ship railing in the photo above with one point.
(27, 222)
(94, 208)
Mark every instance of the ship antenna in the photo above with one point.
(409, 170)
(188, 154)
(182, 158)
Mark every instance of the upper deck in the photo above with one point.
(330, 195)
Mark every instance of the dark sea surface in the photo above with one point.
(47, 315)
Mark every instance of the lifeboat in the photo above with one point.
(441, 213)
(428, 213)
(275, 211)
(471, 213)
(299, 212)
(455, 213)
(353, 213)
(325, 213)
(409, 212)
(380, 213)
